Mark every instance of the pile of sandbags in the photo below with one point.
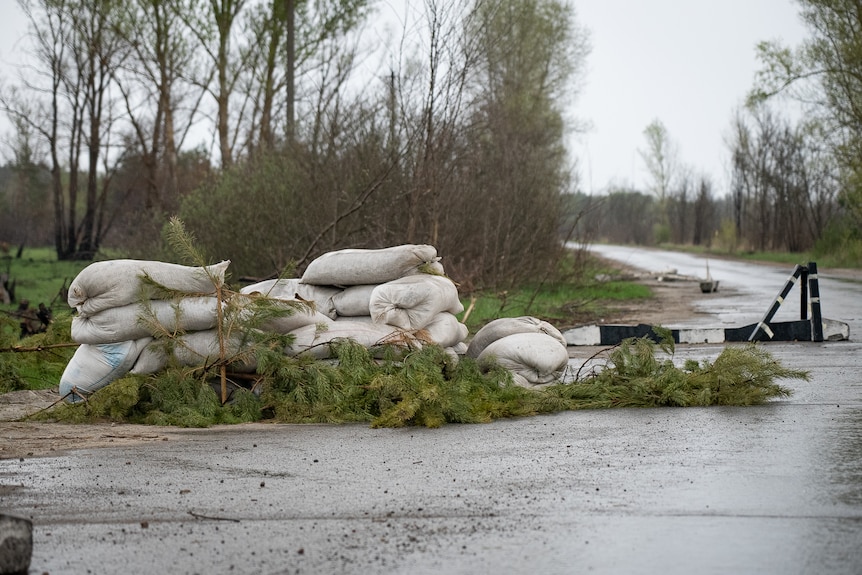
(122, 304)
(534, 351)
(138, 316)
(391, 295)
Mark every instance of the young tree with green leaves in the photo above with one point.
(660, 157)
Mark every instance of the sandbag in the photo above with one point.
(502, 327)
(92, 367)
(292, 289)
(358, 318)
(289, 314)
(362, 267)
(412, 302)
(353, 301)
(445, 330)
(314, 341)
(115, 283)
(193, 349)
(534, 359)
(133, 321)
(299, 318)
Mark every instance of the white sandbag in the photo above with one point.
(115, 283)
(292, 289)
(193, 349)
(412, 302)
(500, 328)
(359, 318)
(445, 330)
(300, 317)
(134, 321)
(353, 301)
(314, 341)
(360, 266)
(92, 367)
(534, 359)
(292, 313)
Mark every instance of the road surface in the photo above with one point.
(753, 286)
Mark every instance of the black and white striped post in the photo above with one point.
(814, 299)
(809, 298)
(763, 324)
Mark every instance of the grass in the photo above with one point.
(562, 304)
(39, 276)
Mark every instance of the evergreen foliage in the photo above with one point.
(427, 387)
(635, 377)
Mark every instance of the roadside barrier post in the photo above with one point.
(814, 299)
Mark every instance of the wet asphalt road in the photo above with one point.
(768, 489)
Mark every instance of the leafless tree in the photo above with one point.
(784, 186)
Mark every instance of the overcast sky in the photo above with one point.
(687, 63)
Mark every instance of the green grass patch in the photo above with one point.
(39, 276)
(560, 303)
(38, 361)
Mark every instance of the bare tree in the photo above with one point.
(785, 187)
(154, 89)
(76, 54)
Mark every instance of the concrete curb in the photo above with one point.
(800, 330)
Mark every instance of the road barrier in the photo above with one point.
(810, 327)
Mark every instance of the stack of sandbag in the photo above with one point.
(119, 312)
(401, 291)
(534, 351)
(395, 295)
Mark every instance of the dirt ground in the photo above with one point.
(673, 301)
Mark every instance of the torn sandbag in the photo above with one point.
(153, 317)
(115, 283)
(95, 366)
(351, 267)
(412, 302)
(499, 328)
(534, 359)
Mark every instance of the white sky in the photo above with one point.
(687, 63)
